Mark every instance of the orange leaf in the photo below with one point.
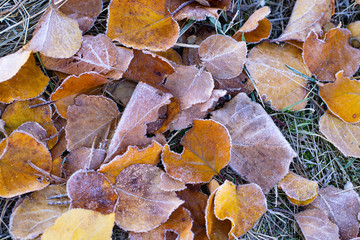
(260, 153)
(342, 98)
(72, 86)
(24, 161)
(299, 190)
(37, 208)
(142, 24)
(142, 205)
(267, 66)
(81, 224)
(206, 152)
(213, 185)
(325, 58)
(56, 35)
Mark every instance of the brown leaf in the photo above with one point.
(206, 152)
(193, 10)
(325, 58)
(91, 190)
(342, 207)
(260, 153)
(315, 224)
(143, 24)
(11, 64)
(32, 215)
(307, 16)
(56, 35)
(235, 85)
(344, 136)
(168, 183)
(121, 91)
(223, 56)
(142, 205)
(34, 129)
(267, 66)
(89, 120)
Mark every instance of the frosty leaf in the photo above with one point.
(12, 63)
(235, 85)
(193, 10)
(168, 183)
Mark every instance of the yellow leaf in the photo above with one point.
(12, 63)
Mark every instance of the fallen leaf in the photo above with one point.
(342, 208)
(325, 58)
(260, 153)
(193, 10)
(223, 56)
(81, 224)
(171, 55)
(299, 190)
(142, 24)
(35, 130)
(11, 64)
(91, 190)
(355, 33)
(342, 98)
(314, 224)
(256, 28)
(84, 12)
(171, 114)
(56, 35)
(72, 86)
(168, 183)
(142, 205)
(89, 120)
(235, 85)
(121, 91)
(344, 136)
(32, 215)
(213, 185)
(133, 155)
(307, 16)
(24, 161)
(179, 222)
(206, 152)
(267, 66)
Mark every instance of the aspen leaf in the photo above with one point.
(267, 66)
(206, 152)
(34, 129)
(354, 28)
(342, 208)
(307, 16)
(171, 55)
(36, 208)
(142, 24)
(256, 28)
(122, 91)
(18, 113)
(22, 156)
(84, 12)
(298, 190)
(23, 79)
(325, 58)
(213, 185)
(72, 86)
(78, 224)
(168, 183)
(91, 190)
(133, 155)
(315, 224)
(56, 35)
(89, 118)
(179, 222)
(142, 205)
(235, 85)
(193, 10)
(260, 153)
(223, 56)
(342, 98)
(344, 136)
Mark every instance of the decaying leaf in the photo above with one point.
(75, 224)
(193, 10)
(133, 155)
(342, 208)
(307, 15)
(142, 205)
(72, 86)
(344, 136)
(299, 190)
(206, 151)
(89, 120)
(315, 224)
(121, 91)
(24, 161)
(260, 153)
(12, 63)
(91, 190)
(168, 183)
(36, 208)
(342, 98)
(325, 58)
(235, 85)
(142, 24)
(56, 35)
(34, 129)
(223, 56)
(256, 28)
(267, 66)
